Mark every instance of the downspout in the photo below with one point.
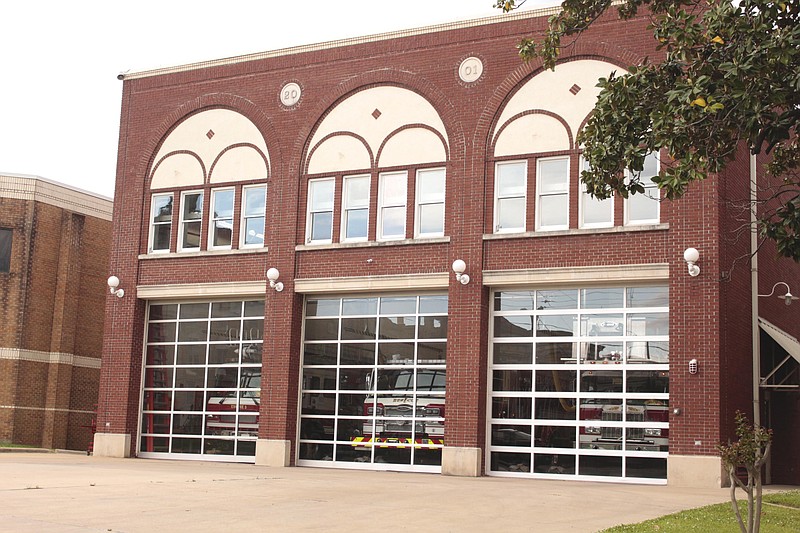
(754, 295)
(754, 306)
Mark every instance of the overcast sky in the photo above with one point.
(59, 94)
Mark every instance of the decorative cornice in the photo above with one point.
(36, 189)
(509, 17)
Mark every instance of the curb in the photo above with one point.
(39, 450)
(25, 450)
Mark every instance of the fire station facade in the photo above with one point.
(376, 254)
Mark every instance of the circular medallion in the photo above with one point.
(470, 69)
(290, 94)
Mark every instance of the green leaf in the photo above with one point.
(729, 73)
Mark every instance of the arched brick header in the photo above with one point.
(559, 118)
(411, 126)
(584, 49)
(376, 78)
(267, 163)
(203, 103)
(165, 156)
(359, 138)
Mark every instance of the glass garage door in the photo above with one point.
(373, 382)
(202, 380)
(580, 384)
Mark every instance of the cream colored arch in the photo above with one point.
(530, 134)
(218, 145)
(376, 115)
(239, 163)
(569, 92)
(412, 146)
(339, 153)
(180, 169)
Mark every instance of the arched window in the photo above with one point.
(537, 162)
(375, 170)
(209, 181)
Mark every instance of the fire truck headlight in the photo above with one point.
(592, 430)
(652, 432)
(432, 411)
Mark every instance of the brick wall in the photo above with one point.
(701, 307)
(51, 311)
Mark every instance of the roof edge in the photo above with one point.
(534, 13)
(37, 189)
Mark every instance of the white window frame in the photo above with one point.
(311, 210)
(498, 197)
(314, 382)
(540, 194)
(213, 219)
(182, 224)
(153, 224)
(434, 199)
(357, 206)
(578, 365)
(651, 191)
(245, 217)
(240, 418)
(384, 205)
(585, 197)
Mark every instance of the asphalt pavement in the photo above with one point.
(68, 492)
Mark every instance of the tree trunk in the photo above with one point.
(734, 482)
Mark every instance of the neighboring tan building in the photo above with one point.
(54, 246)
(376, 254)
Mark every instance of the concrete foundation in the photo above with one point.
(464, 462)
(112, 445)
(273, 452)
(695, 471)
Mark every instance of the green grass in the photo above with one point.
(779, 514)
(789, 499)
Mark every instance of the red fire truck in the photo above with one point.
(400, 417)
(221, 409)
(594, 434)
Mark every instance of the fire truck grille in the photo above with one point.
(401, 410)
(616, 433)
(399, 426)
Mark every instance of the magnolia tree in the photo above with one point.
(729, 74)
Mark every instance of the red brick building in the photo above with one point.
(54, 244)
(376, 253)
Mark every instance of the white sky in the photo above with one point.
(59, 94)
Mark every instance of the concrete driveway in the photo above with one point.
(66, 492)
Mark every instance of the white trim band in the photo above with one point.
(202, 290)
(51, 409)
(17, 354)
(611, 274)
(417, 282)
